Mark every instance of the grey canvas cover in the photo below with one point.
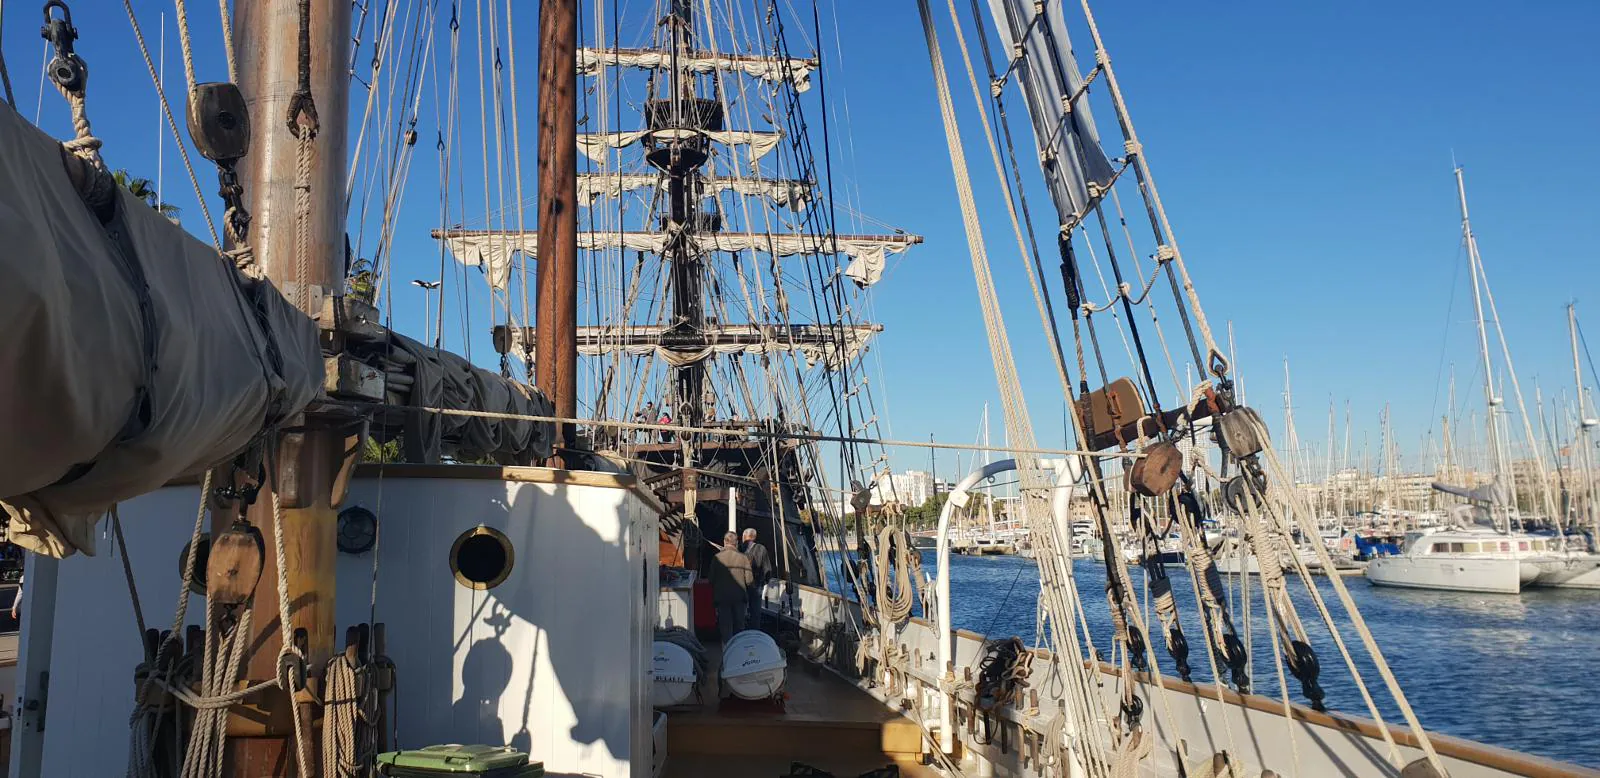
(1047, 73)
(130, 353)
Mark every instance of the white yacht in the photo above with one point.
(1571, 564)
(1463, 560)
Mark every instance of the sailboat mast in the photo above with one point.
(1327, 469)
(1291, 440)
(1583, 441)
(556, 357)
(292, 56)
(1497, 454)
(988, 505)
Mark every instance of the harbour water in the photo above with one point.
(1516, 671)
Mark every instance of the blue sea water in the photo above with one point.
(1516, 671)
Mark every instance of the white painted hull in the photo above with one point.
(1230, 565)
(1456, 574)
(1577, 571)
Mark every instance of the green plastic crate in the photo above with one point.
(460, 762)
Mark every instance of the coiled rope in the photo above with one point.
(894, 552)
(1003, 673)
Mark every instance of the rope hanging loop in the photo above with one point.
(302, 115)
(66, 68)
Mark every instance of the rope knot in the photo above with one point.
(1166, 253)
(291, 670)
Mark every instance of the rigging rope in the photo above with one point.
(172, 124)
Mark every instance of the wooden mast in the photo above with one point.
(271, 47)
(556, 358)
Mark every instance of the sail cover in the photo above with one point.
(783, 193)
(108, 392)
(494, 249)
(1048, 73)
(1492, 493)
(595, 145)
(797, 71)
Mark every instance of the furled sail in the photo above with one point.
(795, 70)
(594, 145)
(783, 193)
(493, 249)
(133, 353)
(1069, 145)
(829, 345)
(1493, 493)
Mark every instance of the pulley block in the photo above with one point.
(219, 121)
(1243, 432)
(233, 564)
(1155, 473)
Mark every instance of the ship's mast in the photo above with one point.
(1501, 469)
(281, 56)
(680, 159)
(556, 358)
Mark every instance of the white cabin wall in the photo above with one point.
(554, 661)
(95, 645)
(548, 661)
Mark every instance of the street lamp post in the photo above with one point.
(427, 308)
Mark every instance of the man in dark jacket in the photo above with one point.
(761, 570)
(731, 578)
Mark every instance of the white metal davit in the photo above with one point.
(1068, 471)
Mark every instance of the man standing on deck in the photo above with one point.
(730, 586)
(761, 570)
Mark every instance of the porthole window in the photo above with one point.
(358, 530)
(197, 582)
(481, 558)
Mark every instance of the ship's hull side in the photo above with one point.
(1456, 574)
(1575, 571)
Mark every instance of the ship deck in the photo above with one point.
(823, 723)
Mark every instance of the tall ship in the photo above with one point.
(385, 557)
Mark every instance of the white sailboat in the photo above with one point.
(1462, 560)
(1470, 557)
(1577, 564)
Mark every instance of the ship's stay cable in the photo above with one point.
(172, 124)
(1516, 387)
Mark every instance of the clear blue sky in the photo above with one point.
(1303, 151)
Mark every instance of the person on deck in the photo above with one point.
(645, 415)
(760, 570)
(666, 418)
(730, 586)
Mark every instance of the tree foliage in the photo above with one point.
(363, 281)
(145, 190)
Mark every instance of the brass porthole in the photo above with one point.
(481, 558)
